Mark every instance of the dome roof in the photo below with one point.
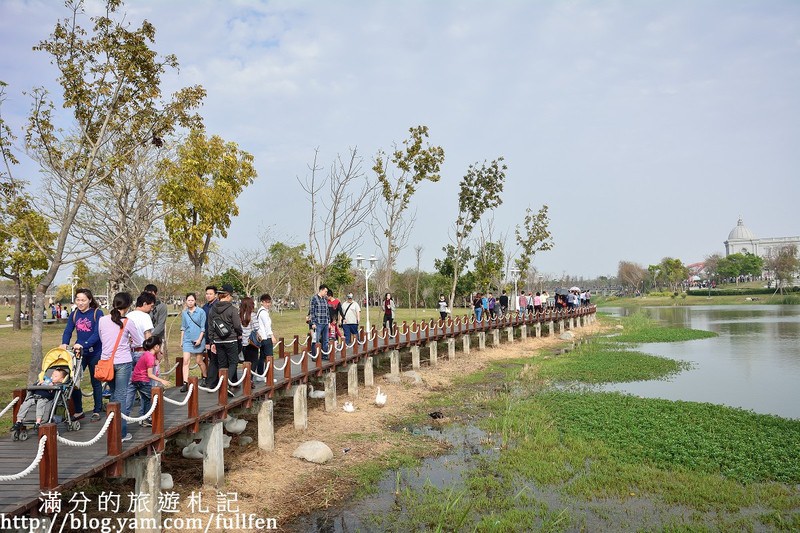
(741, 233)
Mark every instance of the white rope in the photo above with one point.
(34, 464)
(264, 375)
(82, 444)
(299, 361)
(279, 343)
(193, 366)
(312, 356)
(285, 362)
(7, 407)
(330, 348)
(185, 400)
(360, 342)
(351, 344)
(374, 334)
(244, 374)
(409, 330)
(145, 416)
(295, 339)
(171, 370)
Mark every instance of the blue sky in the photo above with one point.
(647, 127)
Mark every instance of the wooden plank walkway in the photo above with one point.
(78, 463)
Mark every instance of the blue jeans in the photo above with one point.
(349, 331)
(119, 388)
(97, 386)
(145, 393)
(322, 337)
(478, 313)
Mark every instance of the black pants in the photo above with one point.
(251, 356)
(388, 322)
(227, 357)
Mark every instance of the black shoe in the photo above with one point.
(202, 382)
(147, 423)
(185, 387)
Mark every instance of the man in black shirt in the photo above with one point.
(503, 303)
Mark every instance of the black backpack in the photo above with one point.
(220, 327)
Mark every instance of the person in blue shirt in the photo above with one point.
(320, 318)
(87, 346)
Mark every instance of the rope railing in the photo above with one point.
(241, 379)
(34, 464)
(215, 389)
(171, 370)
(185, 400)
(285, 362)
(266, 369)
(9, 406)
(144, 417)
(83, 444)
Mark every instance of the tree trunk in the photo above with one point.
(29, 301)
(17, 304)
(37, 325)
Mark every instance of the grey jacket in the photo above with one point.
(229, 315)
(159, 317)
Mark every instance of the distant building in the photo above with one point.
(742, 240)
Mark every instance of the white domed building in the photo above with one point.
(742, 240)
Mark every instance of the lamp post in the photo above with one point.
(368, 270)
(73, 281)
(515, 273)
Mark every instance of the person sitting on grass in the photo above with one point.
(42, 399)
(144, 371)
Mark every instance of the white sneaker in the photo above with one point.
(127, 437)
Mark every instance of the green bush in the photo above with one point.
(738, 292)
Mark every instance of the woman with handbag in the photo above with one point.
(87, 347)
(193, 332)
(117, 334)
(250, 344)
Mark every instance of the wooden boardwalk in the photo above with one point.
(290, 367)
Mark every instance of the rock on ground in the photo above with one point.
(313, 451)
(567, 336)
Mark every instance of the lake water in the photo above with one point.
(753, 364)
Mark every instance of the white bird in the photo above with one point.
(191, 452)
(380, 398)
(349, 407)
(315, 393)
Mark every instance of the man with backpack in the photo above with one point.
(225, 336)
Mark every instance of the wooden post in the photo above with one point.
(179, 371)
(375, 339)
(158, 416)
(222, 395)
(114, 439)
(247, 386)
(282, 347)
(18, 393)
(271, 374)
(48, 468)
(194, 405)
(304, 363)
(296, 346)
(287, 370)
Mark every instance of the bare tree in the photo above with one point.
(341, 202)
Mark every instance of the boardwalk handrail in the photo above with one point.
(9, 406)
(96, 438)
(185, 400)
(34, 464)
(145, 416)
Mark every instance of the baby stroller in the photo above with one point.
(66, 361)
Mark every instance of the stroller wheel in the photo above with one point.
(75, 426)
(23, 435)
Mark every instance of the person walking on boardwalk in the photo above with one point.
(211, 299)
(225, 332)
(477, 306)
(388, 312)
(443, 310)
(265, 332)
(522, 303)
(159, 317)
(352, 317)
(319, 318)
(251, 347)
(117, 335)
(504, 303)
(87, 347)
(193, 332)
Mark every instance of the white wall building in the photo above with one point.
(742, 240)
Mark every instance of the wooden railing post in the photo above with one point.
(247, 386)
(193, 409)
(296, 346)
(158, 416)
(114, 438)
(222, 394)
(282, 347)
(375, 339)
(270, 362)
(48, 467)
(18, 393)
(179, 371)
(287, 370)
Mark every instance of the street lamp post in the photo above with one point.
(515, 273)
(368, 270)
(73, 281)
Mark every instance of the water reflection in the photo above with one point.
(753, 364)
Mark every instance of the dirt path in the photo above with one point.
(276, 485)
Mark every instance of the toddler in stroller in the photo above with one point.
(42, 396)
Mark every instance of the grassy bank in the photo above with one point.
(683, 299)
(572, 459)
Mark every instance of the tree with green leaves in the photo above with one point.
(736, 265)
(285, 268)
(534, 236)
(784, 264)
(670, 272)
(489, 263)
(111, 88)
(479, 192)
(399, 175)
(200, 192)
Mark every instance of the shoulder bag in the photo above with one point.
(104, 371)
